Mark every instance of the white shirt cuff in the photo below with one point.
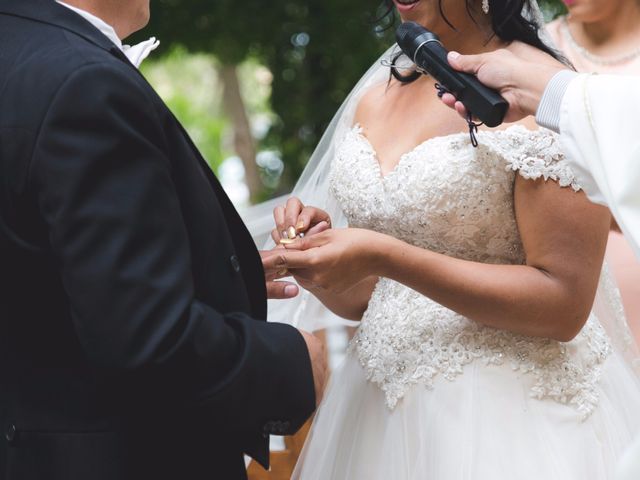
(548, 114)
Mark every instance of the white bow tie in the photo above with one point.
(137, 53)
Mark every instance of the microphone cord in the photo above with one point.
(473, 126)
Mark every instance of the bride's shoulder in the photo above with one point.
(534, 153)
(527, 136)
(528, 123)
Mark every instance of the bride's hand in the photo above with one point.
(335, 260)
(295, 217)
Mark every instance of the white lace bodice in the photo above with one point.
(451, 198)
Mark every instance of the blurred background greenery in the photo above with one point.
(256, 82)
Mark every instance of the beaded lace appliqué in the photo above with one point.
(451, 198)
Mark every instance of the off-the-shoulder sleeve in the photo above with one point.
(538, 154)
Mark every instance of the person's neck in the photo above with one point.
(469, 37)
(611, 33)
(104, 13)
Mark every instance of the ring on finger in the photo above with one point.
(283, 273)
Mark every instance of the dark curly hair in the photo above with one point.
(507, 22)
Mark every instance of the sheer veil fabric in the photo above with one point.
(306, 312)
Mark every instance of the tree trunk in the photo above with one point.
(243, 141)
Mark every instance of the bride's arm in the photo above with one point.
(564, 237)
(350, 304)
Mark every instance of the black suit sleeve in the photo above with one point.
(104, 187)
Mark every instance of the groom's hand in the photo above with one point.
(277, 290)
(318, 357)
(295, 218)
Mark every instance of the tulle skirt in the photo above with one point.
(483, 425)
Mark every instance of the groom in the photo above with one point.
(132, 299)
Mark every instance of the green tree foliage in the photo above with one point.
(194, 103)
(317, 55)
(316, 49)
(552, 8)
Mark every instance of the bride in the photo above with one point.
(481, 353)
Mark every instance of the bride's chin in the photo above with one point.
(411, 11)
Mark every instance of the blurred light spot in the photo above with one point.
(271, 167)
(231, 174)
(300, 39)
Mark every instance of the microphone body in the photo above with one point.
(429, 55)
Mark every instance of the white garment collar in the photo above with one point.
(136, 54)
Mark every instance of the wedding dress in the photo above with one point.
(425, 393)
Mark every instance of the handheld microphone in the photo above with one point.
(427, 52)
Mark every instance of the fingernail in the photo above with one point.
(290, 290)
(292, 232)
(300, 225)
(453, 55)
(282, 273)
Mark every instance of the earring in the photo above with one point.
(485, 6)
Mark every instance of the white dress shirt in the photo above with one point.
(136, 54)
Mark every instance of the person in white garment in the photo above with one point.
(597, 117)
(603, 36)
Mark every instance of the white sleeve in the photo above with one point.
(548, 114)
(600, 135)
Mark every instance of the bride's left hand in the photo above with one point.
(334, 260)
(296, 218)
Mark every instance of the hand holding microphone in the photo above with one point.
(501, 86)
(520, 73)
(429, 55)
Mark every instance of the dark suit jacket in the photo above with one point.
(132, 299)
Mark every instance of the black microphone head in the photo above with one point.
(410, 35)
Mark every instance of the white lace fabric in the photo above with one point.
(450, 198)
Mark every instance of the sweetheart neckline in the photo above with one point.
(358, 131)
